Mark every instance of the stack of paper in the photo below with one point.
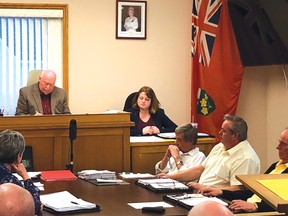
(97, 174)
(65, 202)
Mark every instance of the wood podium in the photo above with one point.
(276, 202)
(102, 140)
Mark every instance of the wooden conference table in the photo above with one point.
(112, 199)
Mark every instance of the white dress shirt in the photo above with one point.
(221, 165)
(189, 159)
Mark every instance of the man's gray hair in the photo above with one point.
(239, 126)
(190, 133)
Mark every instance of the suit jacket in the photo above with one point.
(245, 194)
(29, 101)
(163, 122)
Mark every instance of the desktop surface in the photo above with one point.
(112, 199)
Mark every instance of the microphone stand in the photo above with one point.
(70, 166)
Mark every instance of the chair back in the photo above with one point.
(128, 101)
(27, 158)
(33, 77)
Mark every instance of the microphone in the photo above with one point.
(72, 136)
(73, 129)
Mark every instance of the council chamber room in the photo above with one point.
(114, 107)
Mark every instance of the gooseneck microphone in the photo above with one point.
(72, 136)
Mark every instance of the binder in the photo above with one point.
(57, 175)
(189, 200)
(96, 209)
(163, 185)
(61, 203)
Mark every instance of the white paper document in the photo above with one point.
(136, 175)
(172, 135)
(195, 201)
(134, 139)
(149, 204)
(64, 201)
(31, 175)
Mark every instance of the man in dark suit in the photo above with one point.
(43, 97)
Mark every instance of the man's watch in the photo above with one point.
(179, 163)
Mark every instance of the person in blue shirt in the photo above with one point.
(12, 146)
(147, 115)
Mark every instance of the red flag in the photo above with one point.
(216, 65)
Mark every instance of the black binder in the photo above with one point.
(96, 209)
(163, 185)
(189, 200)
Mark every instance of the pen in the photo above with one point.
(75, 203)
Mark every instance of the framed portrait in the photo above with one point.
(131, 19)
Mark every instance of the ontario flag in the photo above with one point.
(216, 65)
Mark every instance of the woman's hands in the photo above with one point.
(20, 169)
(150, 130)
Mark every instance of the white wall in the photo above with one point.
(264, 103)
(113, 68)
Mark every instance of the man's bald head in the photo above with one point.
(47, 81)
(15, 201)
(210, 208)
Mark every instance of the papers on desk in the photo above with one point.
(134, 139)
(31, 175)
(136, 175)
(172, 135)
(190, 200)
(112, 111)
(97, 174)
(39, 185)
(163, 185)
(101, 177)
(106, 182)
(66, 202)
(149, 204)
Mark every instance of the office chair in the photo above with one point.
(33, 76)
(27, 158)
(128, 101)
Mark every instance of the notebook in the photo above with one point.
(57, 175)
(163, 185)
(189, 200)
(64, 203)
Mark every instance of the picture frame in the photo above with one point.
(131, 19)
